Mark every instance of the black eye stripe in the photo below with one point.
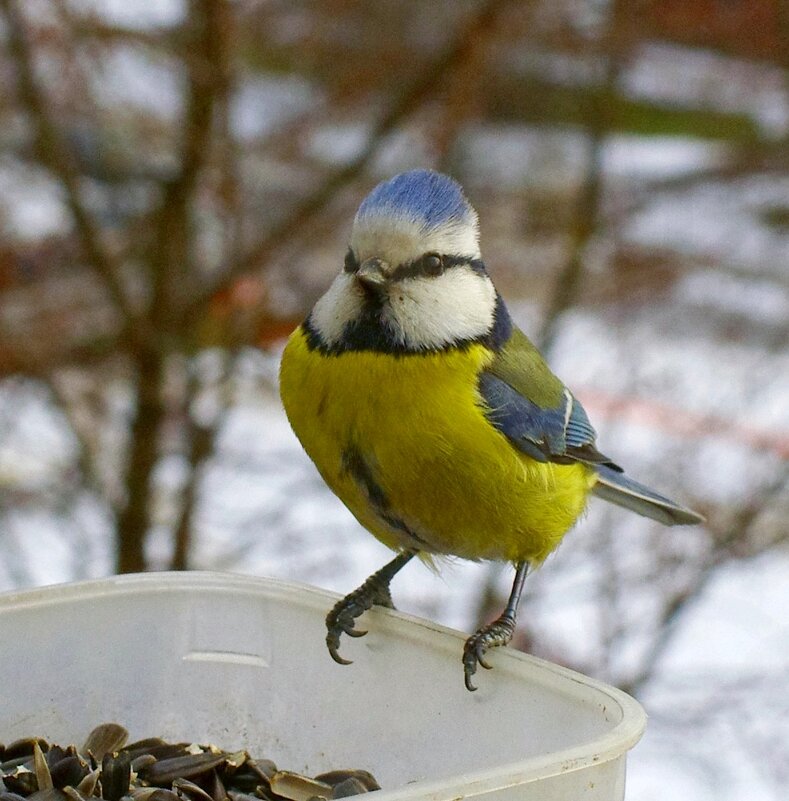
(425, 266)
(420, 266)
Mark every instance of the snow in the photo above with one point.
(338, 143)
(677, 75)
(32, 204)
(261, 104)
(135, 14)
(765, 300)
(742, 621)
(659, 157)
(38, 443)
(129, 77)
(513, 157)
(719, 221)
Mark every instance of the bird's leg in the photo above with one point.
(499, 632)
(374, 591)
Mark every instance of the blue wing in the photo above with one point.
(560, 434)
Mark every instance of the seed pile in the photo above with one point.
(109, 768)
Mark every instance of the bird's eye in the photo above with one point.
(351, 263)
(432, 264)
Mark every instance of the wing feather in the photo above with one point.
(527, 403)
(534, 410)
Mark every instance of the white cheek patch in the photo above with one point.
(341, 304)
(425, 313)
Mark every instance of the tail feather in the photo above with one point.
(623, 491)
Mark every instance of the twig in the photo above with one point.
(86, 457)
(168, 259)
(201, 441)
(678, 603)
(133, 519)
(169, 255)
(587, 210)
(56, 156)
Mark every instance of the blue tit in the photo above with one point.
(432, 416)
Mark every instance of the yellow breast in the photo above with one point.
(404, 442)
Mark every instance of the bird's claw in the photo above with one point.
(480, 652)
(374, 591)
(497, 633)
(342, 618)
(333, 646)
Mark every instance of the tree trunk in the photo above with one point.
(135, 517)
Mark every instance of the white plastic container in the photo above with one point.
(242, 663)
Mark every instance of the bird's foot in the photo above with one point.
(497, 633)
(342, 618)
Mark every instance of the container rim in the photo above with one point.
(611, 745)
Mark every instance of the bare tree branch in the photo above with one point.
(86, 447)
(169, 255)
(135, 514)
(587, 208)
(56, 156)
(201, 439)
(423, 85)
(169, 259)
(725, 547)
(200, 434)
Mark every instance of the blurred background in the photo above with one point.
(177, 183)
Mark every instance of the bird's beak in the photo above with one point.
(373, 274)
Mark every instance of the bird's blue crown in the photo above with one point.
(423, 196)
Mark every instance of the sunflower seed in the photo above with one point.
(50, 794)
(9, 765)
(184, 767)
(265, 768)
(20, 780)
(236, 760)
(351, 786)
(109, 768)
(68, 772)
(24, 747)
(139, 747)
(296, 787)
(235, 795)
(215, 787)
(141, 762)
(105, 739)
(87, 787)
(190, 791)
(336, 777)
(115, 776)
(161, 751)
(160, 794)
(43, 776)
(142, 793)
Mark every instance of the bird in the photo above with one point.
(432, 416)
